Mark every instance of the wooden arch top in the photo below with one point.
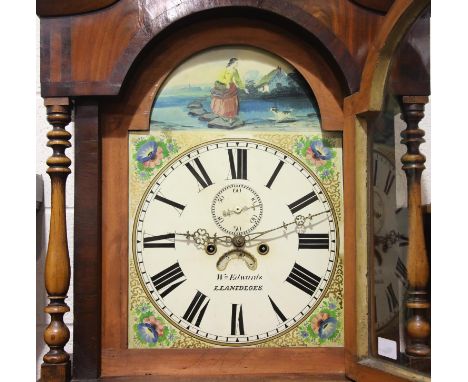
(92, 53)
(398, 21)
(53, 8)
(150, 72)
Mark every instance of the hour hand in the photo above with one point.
(201, 237)
(239, 210)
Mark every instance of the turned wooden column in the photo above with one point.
(56, 365)
(417, 302)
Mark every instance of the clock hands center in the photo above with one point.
(237, 253)
(201, 236)
(239, 210)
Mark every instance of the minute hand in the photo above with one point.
(299, 221)
(238, 211)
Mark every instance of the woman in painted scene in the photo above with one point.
(224, 98)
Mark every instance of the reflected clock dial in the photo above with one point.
(390, 242)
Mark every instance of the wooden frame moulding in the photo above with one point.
(52, 8)
(87, 239)
(360, 109)
(130, 111)
(91, 54)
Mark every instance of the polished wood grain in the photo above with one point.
(410, 67)
(362, 372)
(247, 362)
(110, 40)
(417, 300)
(375, 73)
(281, 12)
(114, 231)
(349, 200)
(354, 26)
(56, 366)
(49, 8)
(228, 378)
(255, 378)
(87, 239)
(375, 5)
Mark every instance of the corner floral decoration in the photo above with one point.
(151, 330)
(150, 153)
(323, 326)
(318, 152)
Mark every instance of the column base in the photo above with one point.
(58, 372)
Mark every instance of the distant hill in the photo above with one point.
(275, 84)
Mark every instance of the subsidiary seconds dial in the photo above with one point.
(216, 249)
(237, 209)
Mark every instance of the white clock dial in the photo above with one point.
(390, 242)
(235, 195)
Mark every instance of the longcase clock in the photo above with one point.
(223, 252)
(223, 189)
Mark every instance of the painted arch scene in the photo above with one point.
(235, 88)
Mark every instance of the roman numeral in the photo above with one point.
(202, 178)
(303, 279)
(389, 182)
(313, 241)
(391, 298)
(302, 202)
(375, 171)
(158, 241)
(237, 320)
(278, 312)
(238, 171)
(275, 174)
(196, 309)
(168, 279)
(170, 202)
(401, 272)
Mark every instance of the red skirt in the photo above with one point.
(225, 104)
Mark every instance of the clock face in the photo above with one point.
(227, 250)
(390, 242)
